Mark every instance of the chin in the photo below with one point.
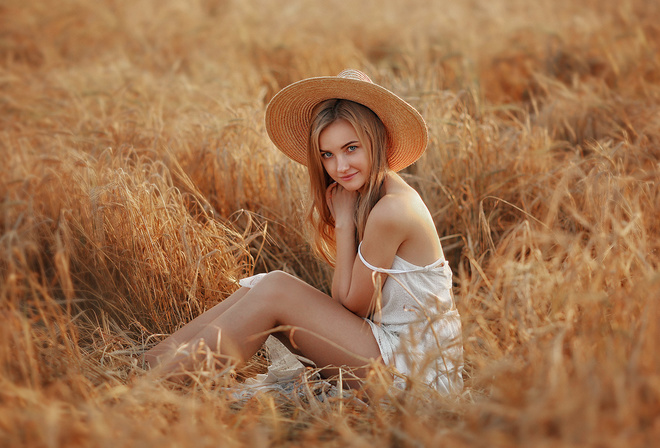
(354, 186)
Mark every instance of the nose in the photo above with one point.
(342, 163)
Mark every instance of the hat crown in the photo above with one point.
(354, 74)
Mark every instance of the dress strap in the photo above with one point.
(370, 266)
(414, 268)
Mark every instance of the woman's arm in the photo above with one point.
(342, 206)
(386, 229)
(346, 252)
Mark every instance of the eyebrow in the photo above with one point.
(351, 143)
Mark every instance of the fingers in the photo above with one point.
(331, 187)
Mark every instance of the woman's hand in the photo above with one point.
(341, 203)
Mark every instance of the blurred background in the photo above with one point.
(138, 185)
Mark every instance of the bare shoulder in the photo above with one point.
(401, 217)
(400, 208)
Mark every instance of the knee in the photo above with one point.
(272, 284)
(274, 279)
(278, 274)
(280, 290)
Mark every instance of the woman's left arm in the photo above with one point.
(386, 229)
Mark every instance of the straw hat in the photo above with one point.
(289, 114)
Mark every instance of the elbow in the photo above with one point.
(357, 305)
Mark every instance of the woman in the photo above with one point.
(391, 296)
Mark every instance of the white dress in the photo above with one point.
(417, 326)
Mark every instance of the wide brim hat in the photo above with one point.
(289, 115)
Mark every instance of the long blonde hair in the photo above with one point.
(371, 132)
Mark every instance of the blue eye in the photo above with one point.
(352, 148)
(326, 155)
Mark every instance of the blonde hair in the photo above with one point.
(372, 134)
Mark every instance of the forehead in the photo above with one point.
(337, 134)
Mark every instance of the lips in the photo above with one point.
(349, 177)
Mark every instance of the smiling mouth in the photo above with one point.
(349, 177)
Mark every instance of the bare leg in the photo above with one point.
(187, 332)
(319, 327)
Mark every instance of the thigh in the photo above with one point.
(319, 327)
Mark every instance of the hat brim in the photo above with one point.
(289, 114)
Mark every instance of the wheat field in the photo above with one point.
(138, 185)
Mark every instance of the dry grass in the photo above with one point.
(133, 144)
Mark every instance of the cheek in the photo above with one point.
(366, 162)
(327, 165)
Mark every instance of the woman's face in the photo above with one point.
(344, 157)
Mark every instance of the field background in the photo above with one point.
(137, 184)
